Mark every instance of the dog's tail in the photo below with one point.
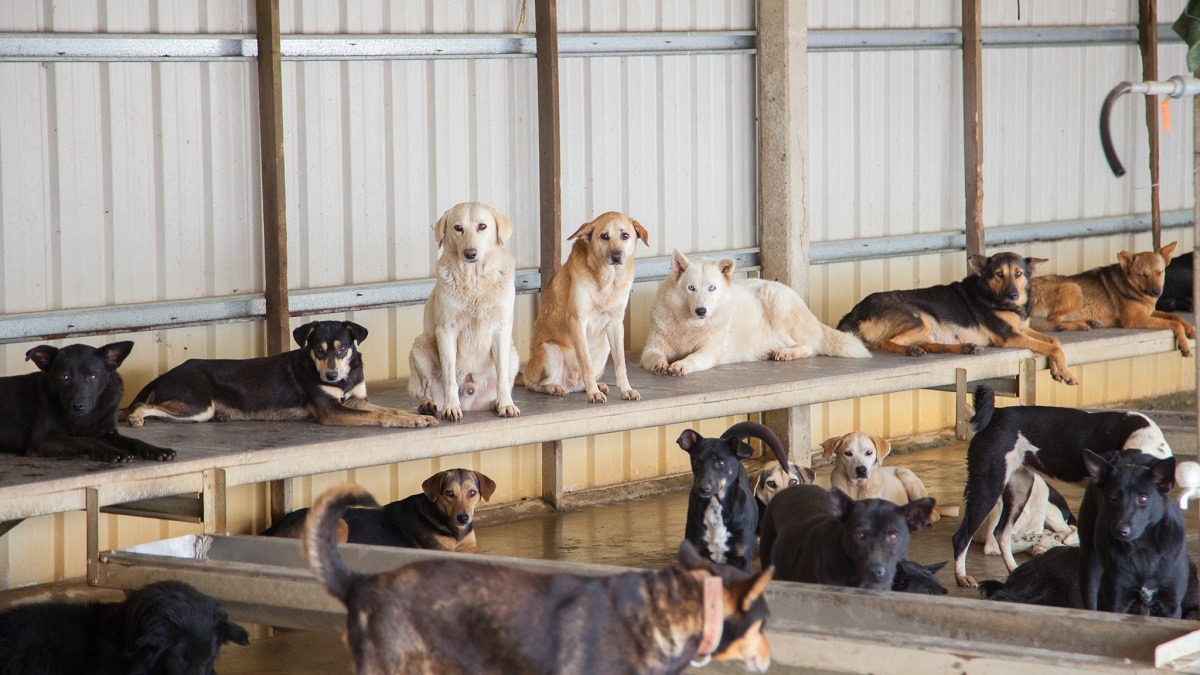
(320, 537)
(837, 343)
(764, 434)
(990, 587)
(985, 407)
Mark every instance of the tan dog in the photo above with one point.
(582, 318)
(1115, 296)
(772, 478)
(469, 314)
(859, 472)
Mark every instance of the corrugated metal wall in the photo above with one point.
(126, 182)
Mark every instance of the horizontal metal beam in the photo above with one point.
(905, 39)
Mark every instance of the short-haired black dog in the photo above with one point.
(1132, 539)
(1047, 439)
(166, 628)
(825, 537)
(722, 512)
(1177, 286)
(913, 577)
(69, 407)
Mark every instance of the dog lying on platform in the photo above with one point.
(990, 306)
(451, 615)
(322, 380)
(703, 317)
(469, 315)
(582, 315)
(69, 407)
(859, 472)
(1115, 296)
(441, 518)
(166, 628)
(1177, 285)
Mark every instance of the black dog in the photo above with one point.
(166, 628)
(1177, 286)
(323, 379)
(1132, 539)
(722, 514)
(914, 577)
(69, 407)
(825, 537)
(1049, 440)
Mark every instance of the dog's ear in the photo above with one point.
(883, 447)
(689, 439)
(228, 631)
(936, 567)
(829, 446)
(840, 504)
(679, 264)
(432, 487)
(917, 512)
(690, 559)
(807, 475)
(641, 232)
(487, 486)
(726, 266)
(359, 333)
(300, 335)
(1125, 258)
(439, 228)
(584, 232)
(1163, 472)
(760, 480)
(1034, 263)
(504, 227)
(741, 448)
(1167, 250)
(113, 354)
(42, 356)
(749, 590)
(1097, 467)
(977, 264)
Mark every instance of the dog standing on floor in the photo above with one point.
(469, 314)
(322, 380)
(455, 616)
(69, 407)
(703, 317)
(1115, 296)
(440, 518)
(1049, 440)
(858, 471)
(582, 316)
(989, 307)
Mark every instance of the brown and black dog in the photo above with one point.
(990, 306)
(1114, 296)
(441, 518)
(458, 616)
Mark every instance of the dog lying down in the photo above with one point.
(459, 616)
(1044, 523)
(858, 471)
(166, 628)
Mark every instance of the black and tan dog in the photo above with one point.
(1123, 295)
(69, 407)
(321, 380)
(991, 306)
(458, 616)
(441, 518)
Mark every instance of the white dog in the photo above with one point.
(703, 317)
(469, 316)
(1040, 526)
(858, 471)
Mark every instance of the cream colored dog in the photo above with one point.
(1040, 526)
(582, 318)
(703, 317)
(858, 471)
(469, 315)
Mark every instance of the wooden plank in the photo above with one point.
(1148, 44)
(972, 68)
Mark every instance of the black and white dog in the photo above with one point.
(1049, 440)
(722, 512)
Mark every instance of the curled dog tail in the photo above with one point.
(985, 407)
(838, 343)
(988, 588)
(320, 537)
(764, 434)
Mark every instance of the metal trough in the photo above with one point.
(265, 580)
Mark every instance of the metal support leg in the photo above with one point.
(214, 502)
(552, 474)
(1027, 382)
(960, 404)
(93, 536)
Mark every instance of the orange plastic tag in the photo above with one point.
(1166, 114)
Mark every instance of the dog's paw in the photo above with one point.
(1063, 376)
(509, 410)
(915, 351)
(1189, 330)
(418, 421)
(971, 349)
(677, 368)
(1092, 323)
(631, 395)
(427, 407)
(659, 367)
(452, 413)
(602, 387)
(1185, 350)
(135, 419)
(555, 390)
(965, 581)
(934, 516)
(160, 454)
(113, 456)
(597, 397)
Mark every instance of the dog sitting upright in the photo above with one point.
(722, 515)
(703, 317)
(441, 518)
(322, 380)
(1115, 296)
(582, 315)
(989, 307)
(69, 407)
(825, 537)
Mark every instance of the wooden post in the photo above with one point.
(550, 191)
(783, 173)
(92, 534)
(1148, 43)
(972, 69)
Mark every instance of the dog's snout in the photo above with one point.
(1156, 291)
(1013, 294)
(704, 488)
(463, 518)
(470, 254)
(77, 407)
(1123, 531)
(616, 258)
(701, 311)
(860, 471)
(331, 375)
(878, 572)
